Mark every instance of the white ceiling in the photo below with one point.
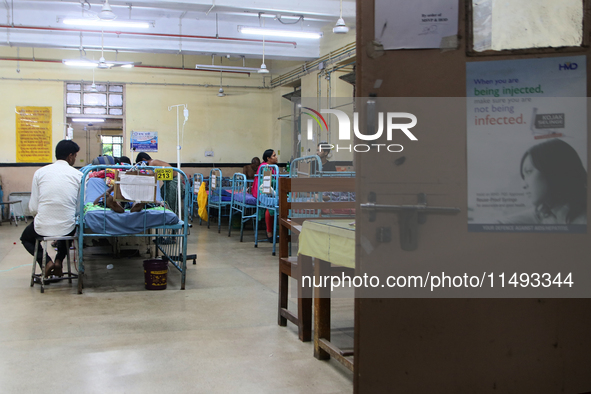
(38, 23)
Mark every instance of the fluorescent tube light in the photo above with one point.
(127, 66)
(279, 33)
(79, 63)
(88, 120)
(106, 23)
(211, 67)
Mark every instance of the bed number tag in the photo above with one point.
(267, 182)
(164, 174)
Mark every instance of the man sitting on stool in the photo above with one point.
(54, 196)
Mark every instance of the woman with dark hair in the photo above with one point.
(556, 182)
(269, 157)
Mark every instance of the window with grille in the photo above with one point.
(112, 145)
(83, 99)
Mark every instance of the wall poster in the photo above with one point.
(527, 145)
(415, 23)
(33, 135)
(144, 141)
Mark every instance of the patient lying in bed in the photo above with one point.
(106, 221)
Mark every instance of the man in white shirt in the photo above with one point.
(54, 196)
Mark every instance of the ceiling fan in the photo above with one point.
(93, 88)
(104, 18)
(221, 92)
(101, 63)
(105, 14)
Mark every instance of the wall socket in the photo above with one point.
(208, 153)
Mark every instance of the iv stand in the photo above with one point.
(178, 150)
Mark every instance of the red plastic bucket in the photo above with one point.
(155, 274)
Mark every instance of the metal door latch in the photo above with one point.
(409, 217)
(384, 234)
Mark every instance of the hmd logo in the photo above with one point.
(568, 66)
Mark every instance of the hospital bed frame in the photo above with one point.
(171, 239)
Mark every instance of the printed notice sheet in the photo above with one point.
(144, 141)
(33, 135)
(415, 23)
(137, 188)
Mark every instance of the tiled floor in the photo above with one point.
(220, 335)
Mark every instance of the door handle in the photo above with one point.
(409, 217)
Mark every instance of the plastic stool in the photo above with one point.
(67, 275)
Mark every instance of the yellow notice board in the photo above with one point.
(33, 135)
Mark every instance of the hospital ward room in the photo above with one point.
(140, 236)
(296, 197)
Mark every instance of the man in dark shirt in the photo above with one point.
(323, 151)
(250, 170)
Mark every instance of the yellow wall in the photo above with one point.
(331, 41)
(236, 127)
(16, 93)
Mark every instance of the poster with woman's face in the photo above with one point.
(527, 145)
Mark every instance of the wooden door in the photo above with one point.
(451, 345)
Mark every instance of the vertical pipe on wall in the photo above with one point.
(329, 92)
(295, 126)
(328, 97)
(181, 32)
(318, 101)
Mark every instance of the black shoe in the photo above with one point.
(48, 281)
(37, 280)
(270, 239)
